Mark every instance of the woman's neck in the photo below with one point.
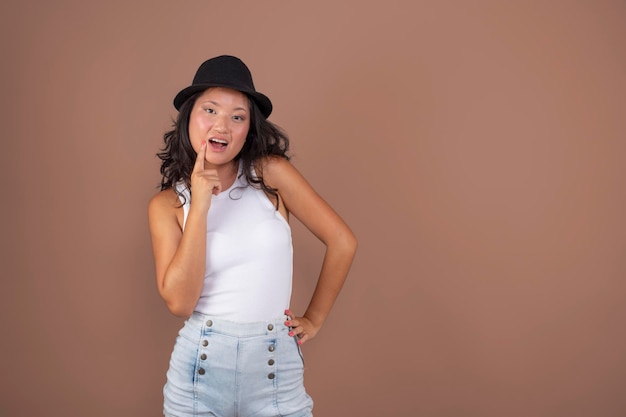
(228, 173)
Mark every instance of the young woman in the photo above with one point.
(223, 252)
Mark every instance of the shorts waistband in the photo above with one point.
(246, 329)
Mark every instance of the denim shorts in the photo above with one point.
(225, 369)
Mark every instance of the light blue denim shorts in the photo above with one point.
(225, 369)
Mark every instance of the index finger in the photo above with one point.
(199, 165)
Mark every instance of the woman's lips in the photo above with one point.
(218, 145)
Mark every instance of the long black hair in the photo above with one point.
(178, 156)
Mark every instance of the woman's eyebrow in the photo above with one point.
(215, 103)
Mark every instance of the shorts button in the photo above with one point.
(271, 376)
(201, 371)
(270, 362)
(271, 348)
(205, 343)
(203, 356)
(209, 323)
(270, 327)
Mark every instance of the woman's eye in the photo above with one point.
(209, 110)
(239, 118)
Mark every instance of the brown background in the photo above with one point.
(476, 148)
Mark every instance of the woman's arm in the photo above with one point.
(180, 257)
(307, 206)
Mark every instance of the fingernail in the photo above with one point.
(299, 342)
(290, 334)
(287, 323)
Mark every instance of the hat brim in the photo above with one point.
(261, 100)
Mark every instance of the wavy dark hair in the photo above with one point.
(178, 156)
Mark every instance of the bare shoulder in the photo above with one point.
(165, 205)
(279, 172)
(164, 199)
(293, 189)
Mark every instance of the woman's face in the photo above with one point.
(221, 117)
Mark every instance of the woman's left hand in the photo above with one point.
(301, 327)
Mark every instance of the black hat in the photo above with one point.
(224, 71)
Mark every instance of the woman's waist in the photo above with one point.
(207, 323)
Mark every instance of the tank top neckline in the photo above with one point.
(237, 183)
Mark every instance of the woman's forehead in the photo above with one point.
(224, 95)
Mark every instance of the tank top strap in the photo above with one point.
(184, 195)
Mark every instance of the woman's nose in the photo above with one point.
(220, 125)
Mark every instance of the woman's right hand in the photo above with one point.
(204, 182)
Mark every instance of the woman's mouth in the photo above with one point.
(218, 144)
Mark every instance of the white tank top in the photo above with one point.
(249, 256)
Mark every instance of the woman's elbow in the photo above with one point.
(179, 309)
(178, 306)
(349, 243)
